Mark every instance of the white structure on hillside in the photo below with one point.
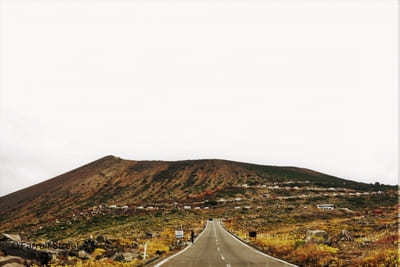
(326, 206)
(187, 207)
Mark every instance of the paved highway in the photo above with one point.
(217, 247)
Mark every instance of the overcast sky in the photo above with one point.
(301, 83)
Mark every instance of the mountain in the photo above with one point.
(112, 180)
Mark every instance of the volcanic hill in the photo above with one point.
(112, 180)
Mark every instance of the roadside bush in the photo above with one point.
(314, 255)
(381, 257)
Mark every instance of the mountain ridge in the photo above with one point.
(111, 179)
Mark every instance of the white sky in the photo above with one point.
(309, 83)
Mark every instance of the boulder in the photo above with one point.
(126, 256)
(129, 256)
(83, 255)
(89, 245)
(24, 251)
(160, 252)
(345, 236)
(101, 239)
(119, 257)
(316, 236)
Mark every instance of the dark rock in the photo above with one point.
(119, 257)
(149, 235)
(21, 250)
(109, 253)
(101, 239)
(160, 252)
(89, 245)
(73, 253)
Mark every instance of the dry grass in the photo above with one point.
(375, 243)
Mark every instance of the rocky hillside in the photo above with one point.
(111, 180)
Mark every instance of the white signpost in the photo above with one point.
(145, 251)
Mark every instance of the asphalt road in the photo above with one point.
(217, 247)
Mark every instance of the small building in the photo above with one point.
(326, 206)
(236, 208)
(206, 208)
(238, 199)
(140, 208)
(247, 207)
(150, 208)
(112, 206)
(187, 207)
(197, 208)
(245, 185)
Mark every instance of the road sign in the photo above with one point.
(179, 234)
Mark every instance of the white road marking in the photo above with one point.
(183, 250)
(257, 251)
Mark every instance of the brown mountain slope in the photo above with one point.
(111, 180)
